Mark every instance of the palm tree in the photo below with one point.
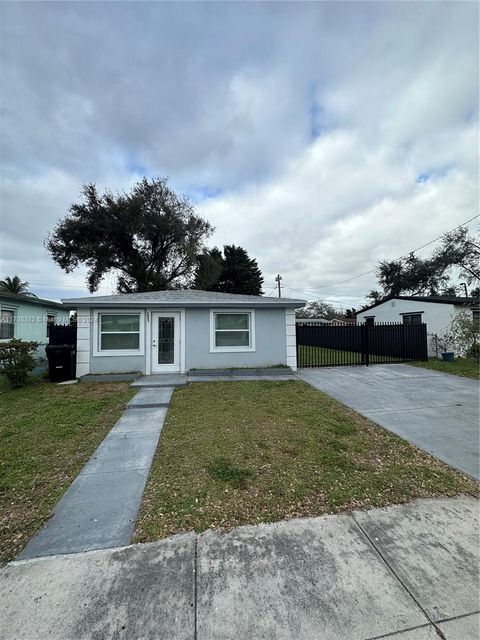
(15, 285)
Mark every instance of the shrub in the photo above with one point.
(445, 341)
(17, 361)
(463, 334)
(466, 332)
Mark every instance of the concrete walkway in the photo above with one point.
(100, 507)
(406, 572)
(437, 412)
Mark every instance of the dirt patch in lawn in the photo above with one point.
(232, 453)
(47, 433)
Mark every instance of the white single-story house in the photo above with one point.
(436, 312)
(181, 330)
(28, 318)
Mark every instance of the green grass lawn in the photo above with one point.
(315, 356)
(232, 453)
(47, 433)
(466, 367)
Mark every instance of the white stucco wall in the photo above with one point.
(437, 316)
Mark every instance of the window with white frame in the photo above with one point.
(7, 324)
(118, 332)
(232, 331)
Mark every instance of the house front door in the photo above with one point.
(165, 342)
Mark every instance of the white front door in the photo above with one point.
(165, 342)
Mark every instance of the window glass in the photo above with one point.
(232, 320)
(412, 318)
(232, 339)
(120, 341)
(120, 322)
(6, 324)
(50, 322)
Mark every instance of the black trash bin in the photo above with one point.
(61, 362)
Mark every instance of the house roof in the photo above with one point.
(31, 300)
(184, 298)
(456, 300)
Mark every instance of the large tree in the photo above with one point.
(209, 269)
(458, 252)
(234, 272)
(319, 309)
(16, 285)
(150, 237)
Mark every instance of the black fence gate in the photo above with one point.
(62, 334)
(325, 345)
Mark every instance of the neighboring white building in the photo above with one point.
(435, 311)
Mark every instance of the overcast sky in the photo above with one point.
(321, 137)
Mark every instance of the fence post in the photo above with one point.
(364, 340)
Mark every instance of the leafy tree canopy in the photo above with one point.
(432, 276)
(209, 269)
(150, 237)
(318, 309)
(232, 272)
(15, 285)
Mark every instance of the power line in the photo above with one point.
(308, 292)
(405, 255)
(64, 286)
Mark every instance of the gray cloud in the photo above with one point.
(301, 129)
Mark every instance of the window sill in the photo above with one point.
(118, 352)
(232, 350)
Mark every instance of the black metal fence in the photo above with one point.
(325, 345)
(62, 334)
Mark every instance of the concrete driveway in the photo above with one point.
(435, 411)
(406, 572)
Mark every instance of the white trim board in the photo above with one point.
(83, 342)
(291, 339)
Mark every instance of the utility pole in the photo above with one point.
(463, 284)
(278, 279)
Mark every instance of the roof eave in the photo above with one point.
(41, 302)
(185, 305)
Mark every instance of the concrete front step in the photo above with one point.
(148, 397)
(109, 377)
(269, 371)
(161, 380)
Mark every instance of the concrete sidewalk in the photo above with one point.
(437, 412)
(100, 507)
(408, 572)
